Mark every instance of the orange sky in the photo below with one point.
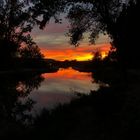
(78, 53)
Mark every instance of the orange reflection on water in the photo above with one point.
(68, 74)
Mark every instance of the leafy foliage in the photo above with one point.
(16, 23)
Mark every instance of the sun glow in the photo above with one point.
(83, 53)
(104, 54)
(84, 57)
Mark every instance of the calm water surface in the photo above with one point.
(58, 88)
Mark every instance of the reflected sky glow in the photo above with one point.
(61, 87)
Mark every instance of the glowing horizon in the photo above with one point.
(78, 53)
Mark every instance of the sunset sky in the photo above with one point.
(54, 43)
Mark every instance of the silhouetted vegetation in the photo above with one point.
(113, 17)
(13, 111)
(16, 23)
(112, 112)
(116, 18)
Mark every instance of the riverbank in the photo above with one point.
(28, 70)
(110, 113)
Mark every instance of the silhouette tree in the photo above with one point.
(93, 16)
(16, 23)
(47, 9)
(14, 89)
(113, 17)
(30, 52)
(125, 37)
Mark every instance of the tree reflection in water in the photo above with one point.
(12, 110)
